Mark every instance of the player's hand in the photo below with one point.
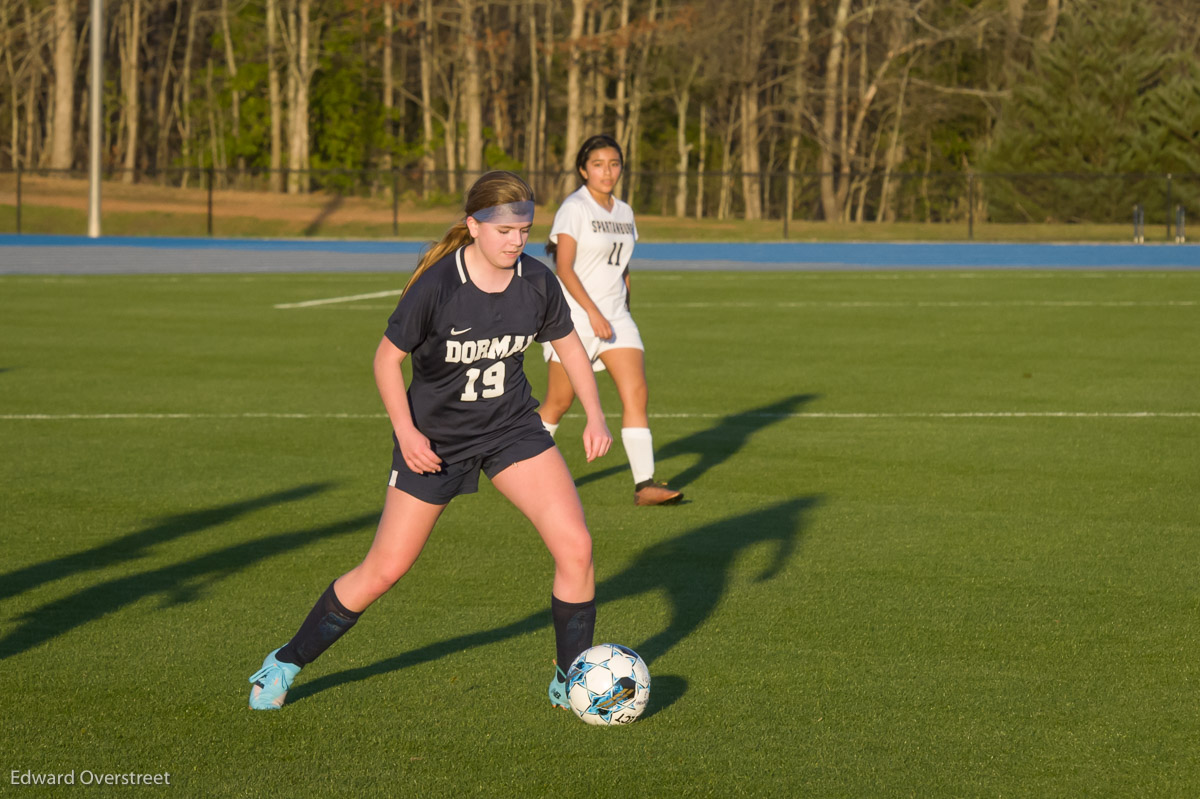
(418, 455)
(596, 439)
(600, 326)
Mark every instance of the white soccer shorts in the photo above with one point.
(625, 336)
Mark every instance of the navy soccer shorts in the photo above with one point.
(462, 477)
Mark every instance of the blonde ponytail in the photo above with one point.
(455, 237)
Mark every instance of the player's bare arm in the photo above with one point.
(564, 261)
(596, 437)
(414, 446)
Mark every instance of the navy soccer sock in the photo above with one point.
(574, 625)
(326, 622)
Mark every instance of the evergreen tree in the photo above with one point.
(1109, 95)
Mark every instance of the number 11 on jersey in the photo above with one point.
(614, 256)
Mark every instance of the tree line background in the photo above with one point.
(862, 106)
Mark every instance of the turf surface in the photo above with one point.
(941, 539)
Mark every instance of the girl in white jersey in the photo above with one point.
(591, 242)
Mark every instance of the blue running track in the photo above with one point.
(37, 254)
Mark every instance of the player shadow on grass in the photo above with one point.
(138, 544)
(716, 444)
(693, 570)
(176, 584)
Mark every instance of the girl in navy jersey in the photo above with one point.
(471, 308)
(592, 243)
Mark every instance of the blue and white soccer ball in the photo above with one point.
(608, 685)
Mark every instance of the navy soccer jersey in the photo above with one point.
(469, 394)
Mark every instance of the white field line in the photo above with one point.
(54, 417)
(923, 304)
(810, 303)
(900, 274)
(332, 300)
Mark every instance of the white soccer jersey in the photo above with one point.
(604, 241)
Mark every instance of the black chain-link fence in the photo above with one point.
(966, 199)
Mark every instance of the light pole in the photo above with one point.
(94, 118)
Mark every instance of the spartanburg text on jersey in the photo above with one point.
(604, 246)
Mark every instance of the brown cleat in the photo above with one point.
(649, 492)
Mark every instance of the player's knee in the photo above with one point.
(635, 396)
(380, 578)
(577, 574)
(575, 560)
(555, 407)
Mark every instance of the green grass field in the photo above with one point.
(940, 540)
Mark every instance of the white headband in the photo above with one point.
(518, 213)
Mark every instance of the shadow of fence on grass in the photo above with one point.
(716, 444)
(176, 584)
(138, 544)
(692, 570)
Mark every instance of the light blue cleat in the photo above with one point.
(271, 683)
(558, 688)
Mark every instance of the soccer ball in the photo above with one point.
(608, 684)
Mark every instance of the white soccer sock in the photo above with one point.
(639, 448)
(550, 428)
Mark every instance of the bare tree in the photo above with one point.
(637, 96)
(1014, 17)
(163, 107)
(864, 52)
(620, 101)
(451, 94)
(725, 194)
(216, 127)
(797, 102)
(438, 62)
(36, 26)
(887, 212)
(131, 45)
(574, 105)
(182, 102)
(684, 60)
(6, 44)
(756, 21)
(544, 105)
(425, 54)
(702, 148)
(388, 95)
(768, 84)
(472, 87)
(62, 129)
(499, 46)
(235, 95)
(1051, 21)
(532, 139)
(829, 113)
(275, 180)
(681, 93)
(303, 37)
(10, 39)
